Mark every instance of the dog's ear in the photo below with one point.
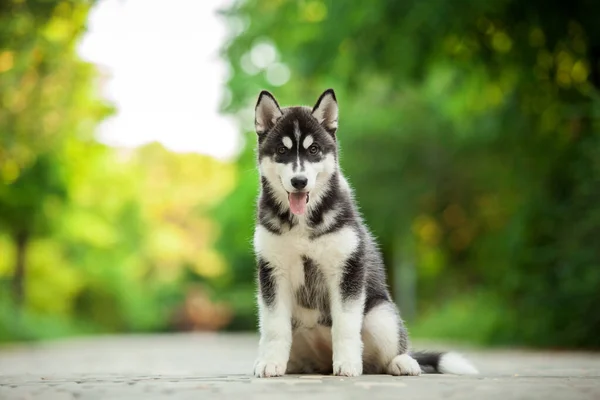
(266, 112)
(326, 111)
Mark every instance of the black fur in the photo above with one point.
(376, 289)
(325, 320)
(266, 282)
(429, 359)
(269, 144)
(313, 294)
(353, 280)
(333, 199)
(328, 202)
(270, 214)
(270, 141)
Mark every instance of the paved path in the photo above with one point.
(218, 366)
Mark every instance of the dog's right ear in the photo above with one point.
(266, 113)
(326, 111)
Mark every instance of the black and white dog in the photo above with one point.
(323, 300)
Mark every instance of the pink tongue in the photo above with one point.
(298, 202)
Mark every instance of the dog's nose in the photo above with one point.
(299, 182)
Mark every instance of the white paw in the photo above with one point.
(268, 369)
(404, 365)
(345, 368)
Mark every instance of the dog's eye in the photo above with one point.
(314, 149)
(282, 150)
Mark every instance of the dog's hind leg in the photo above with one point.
(386, 343)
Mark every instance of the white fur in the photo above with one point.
(325, 169)
(297, 132)
(346, 333)
(404, 364)
(270, 170)
(306, 317)
(329, 219)
(380, 335)
(275, 332)
(318, 175)
(284, 253)
(308, 140)
(287, 142)
(454, 363)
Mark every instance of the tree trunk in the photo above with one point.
(21, 240)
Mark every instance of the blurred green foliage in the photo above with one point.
(470, 131)
(92, 239)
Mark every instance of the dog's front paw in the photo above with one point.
(347, 368)
(268, 369)
(404, 365)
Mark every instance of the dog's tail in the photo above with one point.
(444, 363)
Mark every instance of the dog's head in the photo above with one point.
(297, 150)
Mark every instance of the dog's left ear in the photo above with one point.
(326, 111)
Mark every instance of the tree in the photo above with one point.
(48, 98)
(480, 116)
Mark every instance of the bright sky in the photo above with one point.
(164, 74)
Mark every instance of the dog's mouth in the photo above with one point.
(298, 202)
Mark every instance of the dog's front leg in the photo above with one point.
(275, 316)
(347, 305)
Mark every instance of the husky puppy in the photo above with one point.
(323, 301)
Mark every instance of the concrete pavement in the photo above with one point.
(216, 366)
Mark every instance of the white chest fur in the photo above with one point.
(285, 252)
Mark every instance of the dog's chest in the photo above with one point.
(288, 252)
(310, 266)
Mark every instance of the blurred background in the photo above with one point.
(470, 131)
